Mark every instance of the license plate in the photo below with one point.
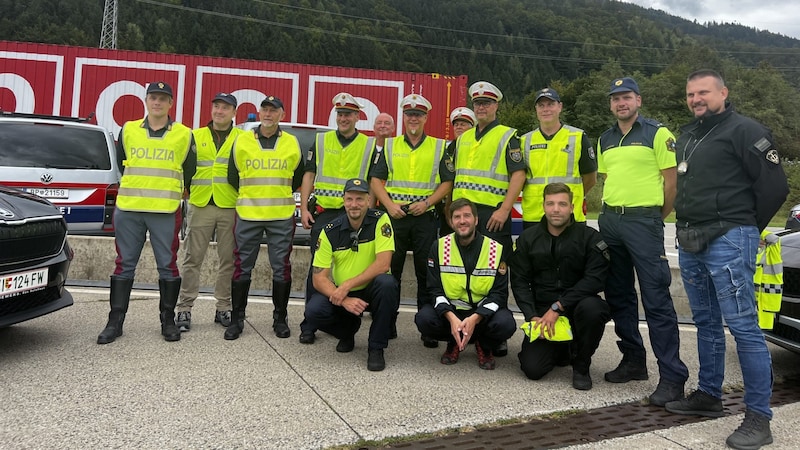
(21, 282)
(49, 193)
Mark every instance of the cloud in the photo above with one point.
(777, 16)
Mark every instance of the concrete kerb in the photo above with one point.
(94, 261)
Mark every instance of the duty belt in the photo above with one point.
(632, 210)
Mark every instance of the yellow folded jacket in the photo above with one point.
(562, 330)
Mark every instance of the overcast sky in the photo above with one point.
(777, 16)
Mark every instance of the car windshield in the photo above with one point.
(29, 144)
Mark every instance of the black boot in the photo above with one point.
(169, 290)
(239, 291)
(119, 299)
(280, 299)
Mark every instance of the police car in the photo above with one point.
(35, 257)
(66, 160)
(305, 135)
(786, 330)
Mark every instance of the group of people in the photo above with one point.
(369, 200)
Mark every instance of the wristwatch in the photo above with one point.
(556, 308)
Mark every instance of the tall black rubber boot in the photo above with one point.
(239, 291)
(169, 290)
(119, 298)
(280, 299)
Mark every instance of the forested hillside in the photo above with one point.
(576, 46)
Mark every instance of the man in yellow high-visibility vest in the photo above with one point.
(157, 158)
(266, 168)
(555, 153)
(335, 157)
(211, 212)
(416, 178)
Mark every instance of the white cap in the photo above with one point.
(485, 90)
(462, 113)
(345, 101)
(415, 102)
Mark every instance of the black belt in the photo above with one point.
(632, 210)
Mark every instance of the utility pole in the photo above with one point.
(108, 35)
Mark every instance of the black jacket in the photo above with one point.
(568, 267)
(733, 172)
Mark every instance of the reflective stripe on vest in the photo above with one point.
(468, 291)
(417, 177)
(265, 177)
(212, 170)
(153, 177)
(481, 172)
(768, 279)
(337, 164)
(553, 161)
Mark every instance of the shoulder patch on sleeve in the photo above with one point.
(602, 247)
(590, 152)
(515, 154)
(319, 241)
(772, 156)
(386, 230)
(502, 268)
(431, 263)
(448, 163)
(763, 144)
(671, 145)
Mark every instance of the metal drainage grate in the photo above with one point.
(590, 426)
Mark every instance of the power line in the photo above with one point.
(400, 42)
(503, 36)
(590, 61)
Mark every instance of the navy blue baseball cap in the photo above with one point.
(159, 87)
(626, 84)
(547, 93)
(227, 98)
(355, 184)
(272, 101)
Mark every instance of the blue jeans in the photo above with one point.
(636, 241)
(719, 284)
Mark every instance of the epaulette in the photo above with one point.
(653, 122)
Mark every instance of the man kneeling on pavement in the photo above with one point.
(557, 270)
(351, 275)
(469, 282)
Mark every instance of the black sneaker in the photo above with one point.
(223, 318)
(184, 320)
(346, 345)
(429, 342)
(307, 337)
(581, 381)
(501, 350)
(375, 361)
(627, 371)
(752, 433)
(697, 403)
(667, 391)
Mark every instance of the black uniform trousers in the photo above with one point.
(588, 320)
(383, 296)
(503, 236)
(415, 233)
(489, 332)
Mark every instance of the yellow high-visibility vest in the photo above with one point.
(153, 177)
(337, 164)
(553, 161)
(456, 280)
(413, 173)
(211, 177)
(481, 171)
(265, 176)
(768, 279)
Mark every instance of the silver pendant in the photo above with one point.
(683, 167)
